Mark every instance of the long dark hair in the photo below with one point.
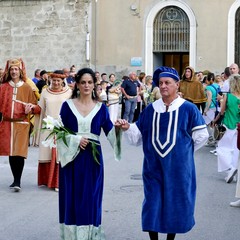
(78, 77)
(210, 77)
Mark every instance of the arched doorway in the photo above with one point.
(171, 39)
(233, 50)
(237, 37)
(182, 53)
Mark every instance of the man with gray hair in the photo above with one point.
(233, 69)
(130, 88)
(170, 129)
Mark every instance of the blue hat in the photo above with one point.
(165, 72)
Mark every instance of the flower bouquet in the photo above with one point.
(59, 132)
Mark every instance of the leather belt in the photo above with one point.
(7, 119)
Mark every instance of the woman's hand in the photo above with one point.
(83, 143)
(122, 123)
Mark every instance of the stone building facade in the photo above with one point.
(120, 36)
(47, 34)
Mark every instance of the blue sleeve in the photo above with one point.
(68, 118)
(124, 84)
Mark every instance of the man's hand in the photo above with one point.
(122, 123)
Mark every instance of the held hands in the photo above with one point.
(123, 124)
(29, 107)
(83, 143)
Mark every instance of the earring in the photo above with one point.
(78, 92)
(93, 94)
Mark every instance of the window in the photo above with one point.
(171, 31)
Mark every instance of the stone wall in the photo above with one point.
(46, 34)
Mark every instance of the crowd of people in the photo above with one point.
(171, 116)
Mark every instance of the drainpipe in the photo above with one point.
(88, 47)
(95, 42)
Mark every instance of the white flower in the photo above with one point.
(49, 122)
(58, 122)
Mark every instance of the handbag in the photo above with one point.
(218, 132)
(238, 136)
(219, 129)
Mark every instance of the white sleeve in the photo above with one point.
(200, 137)
(115, 137)
(67, 153)
(133, 135)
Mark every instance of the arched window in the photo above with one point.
(171, 31)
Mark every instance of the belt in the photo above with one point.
(13, 119)
(132, 96)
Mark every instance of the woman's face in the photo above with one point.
(56, 83)
(112, 78)
(149, 82)
(86, 84)
(188, 73)
(99, 90)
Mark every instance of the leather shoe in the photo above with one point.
(231, 175)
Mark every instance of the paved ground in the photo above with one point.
(32, 214)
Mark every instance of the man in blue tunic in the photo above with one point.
(171, 129)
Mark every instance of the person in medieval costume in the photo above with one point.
(191, 88)
(17, 103)
(50, 103)
(171, 129)
(81, 162)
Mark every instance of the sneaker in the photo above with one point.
(15, 186)
(215, 154)
(235, 204)
(213, 151)
(231, 175)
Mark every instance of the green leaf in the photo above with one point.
(49, 135)
(64, 139)
(95, 151)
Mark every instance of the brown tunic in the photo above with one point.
(193, 91)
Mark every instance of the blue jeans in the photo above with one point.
(130, 105)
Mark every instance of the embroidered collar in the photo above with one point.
(18, 84)
(160, 107)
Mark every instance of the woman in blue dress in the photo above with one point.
(81, 171)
